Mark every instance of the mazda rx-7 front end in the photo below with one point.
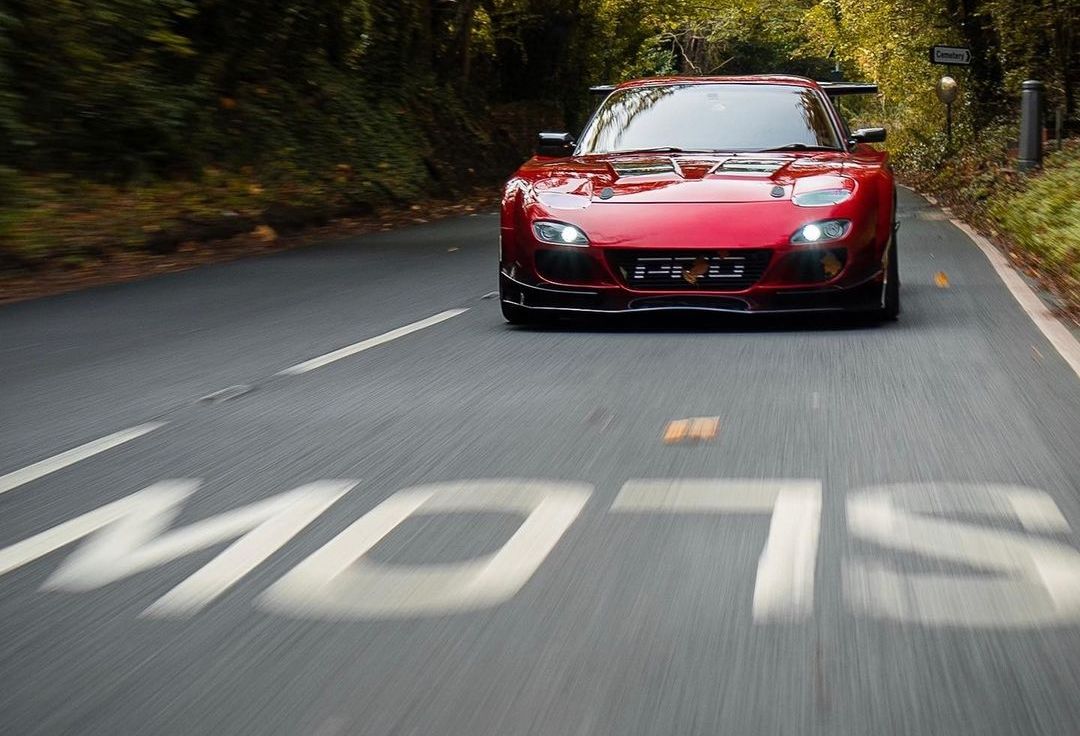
(730, 194)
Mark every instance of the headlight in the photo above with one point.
(823, 231)
(822, 197)
(559, 233)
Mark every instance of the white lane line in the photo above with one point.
(1051, 327)
(17, 478)
(371, 342)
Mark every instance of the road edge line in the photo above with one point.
(1050, 326)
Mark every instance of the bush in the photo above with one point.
(1041, 213)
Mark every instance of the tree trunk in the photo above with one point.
(462, 45)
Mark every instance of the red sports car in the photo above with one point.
(726, 194)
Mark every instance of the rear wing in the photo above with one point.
(834, 89)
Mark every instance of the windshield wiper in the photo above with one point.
(664, 149)
(799, 147)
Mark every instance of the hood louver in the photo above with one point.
(764, 167)
(643, 168)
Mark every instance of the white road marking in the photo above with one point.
(130, 535)
(1049, 325)
(784, 587)
(1037, 581)
(227, 394)
(345, 352)
(336, 581)
(17, 478)
(1036, 510)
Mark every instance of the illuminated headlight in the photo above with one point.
(821, 232)
(822, 197)
(559, 233)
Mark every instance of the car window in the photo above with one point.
(726, 117)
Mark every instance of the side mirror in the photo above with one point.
(868, 135)
(554, 144)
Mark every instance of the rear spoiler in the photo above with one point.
(833, 89)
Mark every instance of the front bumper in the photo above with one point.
(864, 296)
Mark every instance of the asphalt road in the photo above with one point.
(880, 538)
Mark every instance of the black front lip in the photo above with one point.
(862, 297)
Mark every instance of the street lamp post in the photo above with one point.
(947, 90)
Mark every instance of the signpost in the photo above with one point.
(946, 87)
(950, 55)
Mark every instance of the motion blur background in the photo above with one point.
(152, 125)
(823, 526)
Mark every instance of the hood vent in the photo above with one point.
(643, 168)
(763, 166)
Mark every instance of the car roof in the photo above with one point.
(778, 79)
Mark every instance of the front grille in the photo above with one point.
(689, 270)
(690, 301)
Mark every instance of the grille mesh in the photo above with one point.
(689, 270)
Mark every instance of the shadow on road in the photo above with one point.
(697, 322)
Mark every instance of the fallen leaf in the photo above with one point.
(693, 428)
(941, 280)
(675, 431)
(265, 233)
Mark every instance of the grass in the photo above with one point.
(1041, 213)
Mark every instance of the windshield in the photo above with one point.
(710, 117)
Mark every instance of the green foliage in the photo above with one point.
(1042, 213)
(322, 106)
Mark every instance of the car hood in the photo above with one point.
(577, 183)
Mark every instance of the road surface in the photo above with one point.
(241, 500)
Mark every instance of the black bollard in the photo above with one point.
(1031, 151)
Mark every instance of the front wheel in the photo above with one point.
(890, 308)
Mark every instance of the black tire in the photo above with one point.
(890, 309)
